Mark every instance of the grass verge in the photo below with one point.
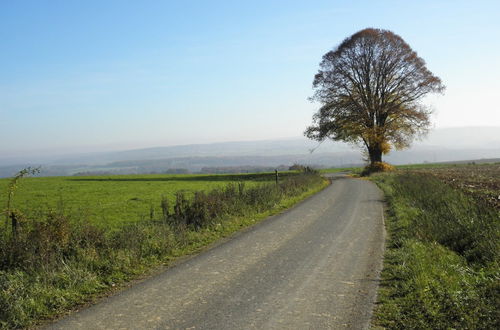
(441, 267)
(51, 264)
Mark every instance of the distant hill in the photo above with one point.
(485, 137)
(448, 144)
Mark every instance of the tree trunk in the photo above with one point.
(375, 154)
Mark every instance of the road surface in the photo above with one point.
(315, 266)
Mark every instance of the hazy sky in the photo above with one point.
(95, 75)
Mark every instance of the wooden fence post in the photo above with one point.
(13, 218)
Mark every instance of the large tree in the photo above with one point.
(370, 89)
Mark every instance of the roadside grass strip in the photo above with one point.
(441, 267)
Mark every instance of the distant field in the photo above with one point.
(115, 200)
(340, 169)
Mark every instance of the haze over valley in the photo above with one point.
(441, 145)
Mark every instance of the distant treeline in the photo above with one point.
(128, 171)
(204, 170)
(242, 169)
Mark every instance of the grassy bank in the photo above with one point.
(53, 262)
(441, 268)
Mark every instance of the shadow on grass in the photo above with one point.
(201, 177)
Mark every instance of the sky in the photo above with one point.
(79, 76)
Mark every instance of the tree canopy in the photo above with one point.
(370, 89)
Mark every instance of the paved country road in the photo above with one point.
(315, 266)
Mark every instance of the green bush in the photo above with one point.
(377, 167)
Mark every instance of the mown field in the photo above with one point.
(441, 267)
(76, 238)
(112, 201)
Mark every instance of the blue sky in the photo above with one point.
(101, 75)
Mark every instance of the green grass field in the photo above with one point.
(339, 169)
(112, 201)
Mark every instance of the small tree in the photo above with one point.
(370, 89)
(10, 212)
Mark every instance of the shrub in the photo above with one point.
(377, 167)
